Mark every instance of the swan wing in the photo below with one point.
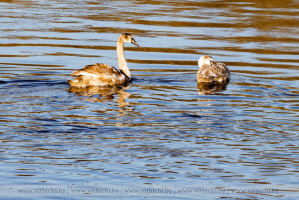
(216, 70)
(98, 75)
(220, 69)
(98, 69)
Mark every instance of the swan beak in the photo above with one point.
(134, 42)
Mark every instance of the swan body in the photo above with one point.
(100, 74)
(212, 72)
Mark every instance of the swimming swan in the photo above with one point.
(100, 74)
(212, 72)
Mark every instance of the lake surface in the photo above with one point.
(162, 136)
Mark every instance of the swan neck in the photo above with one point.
(122, 63)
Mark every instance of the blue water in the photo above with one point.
(163, 136)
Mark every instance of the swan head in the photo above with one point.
(205, 60)
(127, 37)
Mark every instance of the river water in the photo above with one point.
(162, 136)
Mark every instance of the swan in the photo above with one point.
(100, 74)
(212, 72)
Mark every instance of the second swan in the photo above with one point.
(212, 72)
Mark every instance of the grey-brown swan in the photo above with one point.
(100, 74)
(212, 72)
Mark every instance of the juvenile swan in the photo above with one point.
(100, 74)
(212, 72)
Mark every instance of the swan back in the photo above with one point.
(98, 75)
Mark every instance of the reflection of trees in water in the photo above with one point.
(101, 94)
(210, 88)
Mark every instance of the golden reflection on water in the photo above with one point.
(103, 93)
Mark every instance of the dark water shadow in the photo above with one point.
(211, 88)
(20, 87)
(32, 82)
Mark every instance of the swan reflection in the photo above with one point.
(210, 88)
(101, 94)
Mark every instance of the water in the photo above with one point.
(161, 136)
